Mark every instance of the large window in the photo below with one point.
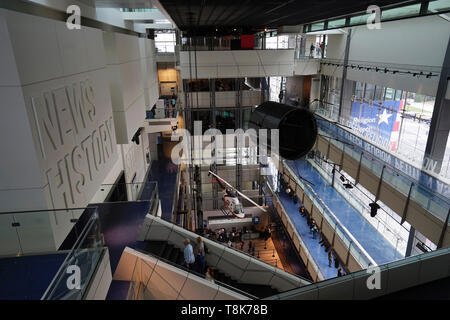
(395, 120)
(165, 41)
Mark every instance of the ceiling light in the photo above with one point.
(348, 185)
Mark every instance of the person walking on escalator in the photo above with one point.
(200, 255)
(210, 274)
(189, 257)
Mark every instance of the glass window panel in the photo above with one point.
(360, 19)
(390, 93)
(359, 89)
(370, 88)
(318, 26)
(378, 96)
(439, 5)
(406, 11)
(336, 23)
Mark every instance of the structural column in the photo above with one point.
(440, 122)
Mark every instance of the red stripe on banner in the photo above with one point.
(396, 126)
(401, 105)
(393, 145)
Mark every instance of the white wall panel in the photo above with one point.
(59, 119)
(238, 63)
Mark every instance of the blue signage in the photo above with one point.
(373, 122)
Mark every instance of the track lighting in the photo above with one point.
(342, 178)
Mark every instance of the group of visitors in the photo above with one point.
(314, 230)
(194, 258)
(318, 48)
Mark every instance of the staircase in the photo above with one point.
(174, 255)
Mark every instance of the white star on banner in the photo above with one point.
(384, 117)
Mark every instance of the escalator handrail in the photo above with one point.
(179, 266)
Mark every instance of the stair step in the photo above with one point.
(155, 247)
(174, 255)
(167, 251)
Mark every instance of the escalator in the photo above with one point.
(174, 256)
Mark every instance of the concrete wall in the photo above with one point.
(63, 96)
(418, 43)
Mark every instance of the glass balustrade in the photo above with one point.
(430, 200)
(352, 244)
(81, 262)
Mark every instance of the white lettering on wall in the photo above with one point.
(74, 144)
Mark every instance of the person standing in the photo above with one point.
(210, 274)
(189, 257)
(311, 50)
(281, 96)
(173, 102)
(340, 273)
(330, 259)
(200, 254)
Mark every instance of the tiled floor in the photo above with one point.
(265, 251)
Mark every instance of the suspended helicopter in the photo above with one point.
(232, 204)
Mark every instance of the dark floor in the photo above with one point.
(285, 247)
(118, 290)
(27, 277)
(120, 224)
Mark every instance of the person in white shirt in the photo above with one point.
(189, 257)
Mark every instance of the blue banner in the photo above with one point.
(375, 123)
